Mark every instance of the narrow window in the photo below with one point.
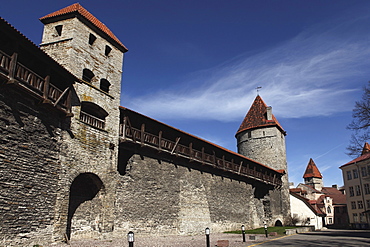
(355, 217)
(368, 204)
(107, 50)
(363, 171)
(351, 191)
(330, 221)
(360, 205)
(104, 85)
(92, 39)
(355, 173)
(353, 205)
(362, 218)
(329, 210)
(358, 190)
(93, 115)
(59, 29)
(367, 189)
(87, 75)
(349, 175)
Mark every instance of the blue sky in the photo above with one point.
(195, 65)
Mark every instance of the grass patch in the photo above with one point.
(279, 229)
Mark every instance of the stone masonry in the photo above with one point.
(76, 165)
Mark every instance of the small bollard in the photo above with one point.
(207, 237)
(243, 232)
(130, 239)
(265, 229)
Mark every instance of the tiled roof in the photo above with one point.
(310, 203)
(78, 9)
(257, 117)
(365, 156)
(366, 149)
(312, 171)
(338, 196)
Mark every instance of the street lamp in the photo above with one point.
(243, 232)
(265, 226)
(207, 237)
(130, 239)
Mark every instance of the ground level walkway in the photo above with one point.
(330, 238)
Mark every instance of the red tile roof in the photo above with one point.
(257, 117)
(338, 196)
(310, 203)
(365, 156)
(312, 171)
(366, 149)
(78, 9)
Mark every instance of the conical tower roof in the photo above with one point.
(257, 117)
(72, 10)
(312, 171)
(366, 149)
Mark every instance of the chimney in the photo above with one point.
(334, 186)
(269, 113)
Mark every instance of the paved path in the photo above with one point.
(332, 238)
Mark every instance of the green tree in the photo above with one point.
(360, 124)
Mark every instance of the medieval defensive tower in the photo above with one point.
(91, 52)
(262, 138)
(312, 176)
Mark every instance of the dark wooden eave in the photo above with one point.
(25, 66)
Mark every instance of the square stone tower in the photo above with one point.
(89, 152)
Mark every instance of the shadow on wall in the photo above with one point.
(83, 188)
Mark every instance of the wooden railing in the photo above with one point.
(128, 133)
(34, 83)
(92, 120)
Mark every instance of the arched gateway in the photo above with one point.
(83, 188)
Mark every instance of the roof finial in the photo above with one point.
(258, 89)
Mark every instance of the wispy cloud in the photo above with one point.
(313, 74)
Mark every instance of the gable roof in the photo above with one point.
(78, 9)
(312, 171)
(338, 196)
(364, 156)
(257, 117)
(310, 204)
(309, 188)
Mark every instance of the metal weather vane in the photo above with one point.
(258, 89)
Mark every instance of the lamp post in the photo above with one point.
(207, 237)
(130, 239)
(265, 226)
(243, 233)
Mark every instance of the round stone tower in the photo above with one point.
(261, 137)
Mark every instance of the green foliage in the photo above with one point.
(279, 229)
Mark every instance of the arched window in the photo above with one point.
(87, 75)
(93, 114)
(328, 210)
(104, 85)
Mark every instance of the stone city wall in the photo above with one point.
(29, 167)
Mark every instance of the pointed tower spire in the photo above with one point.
(312, 176)
(259, 115)
(366, 149)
